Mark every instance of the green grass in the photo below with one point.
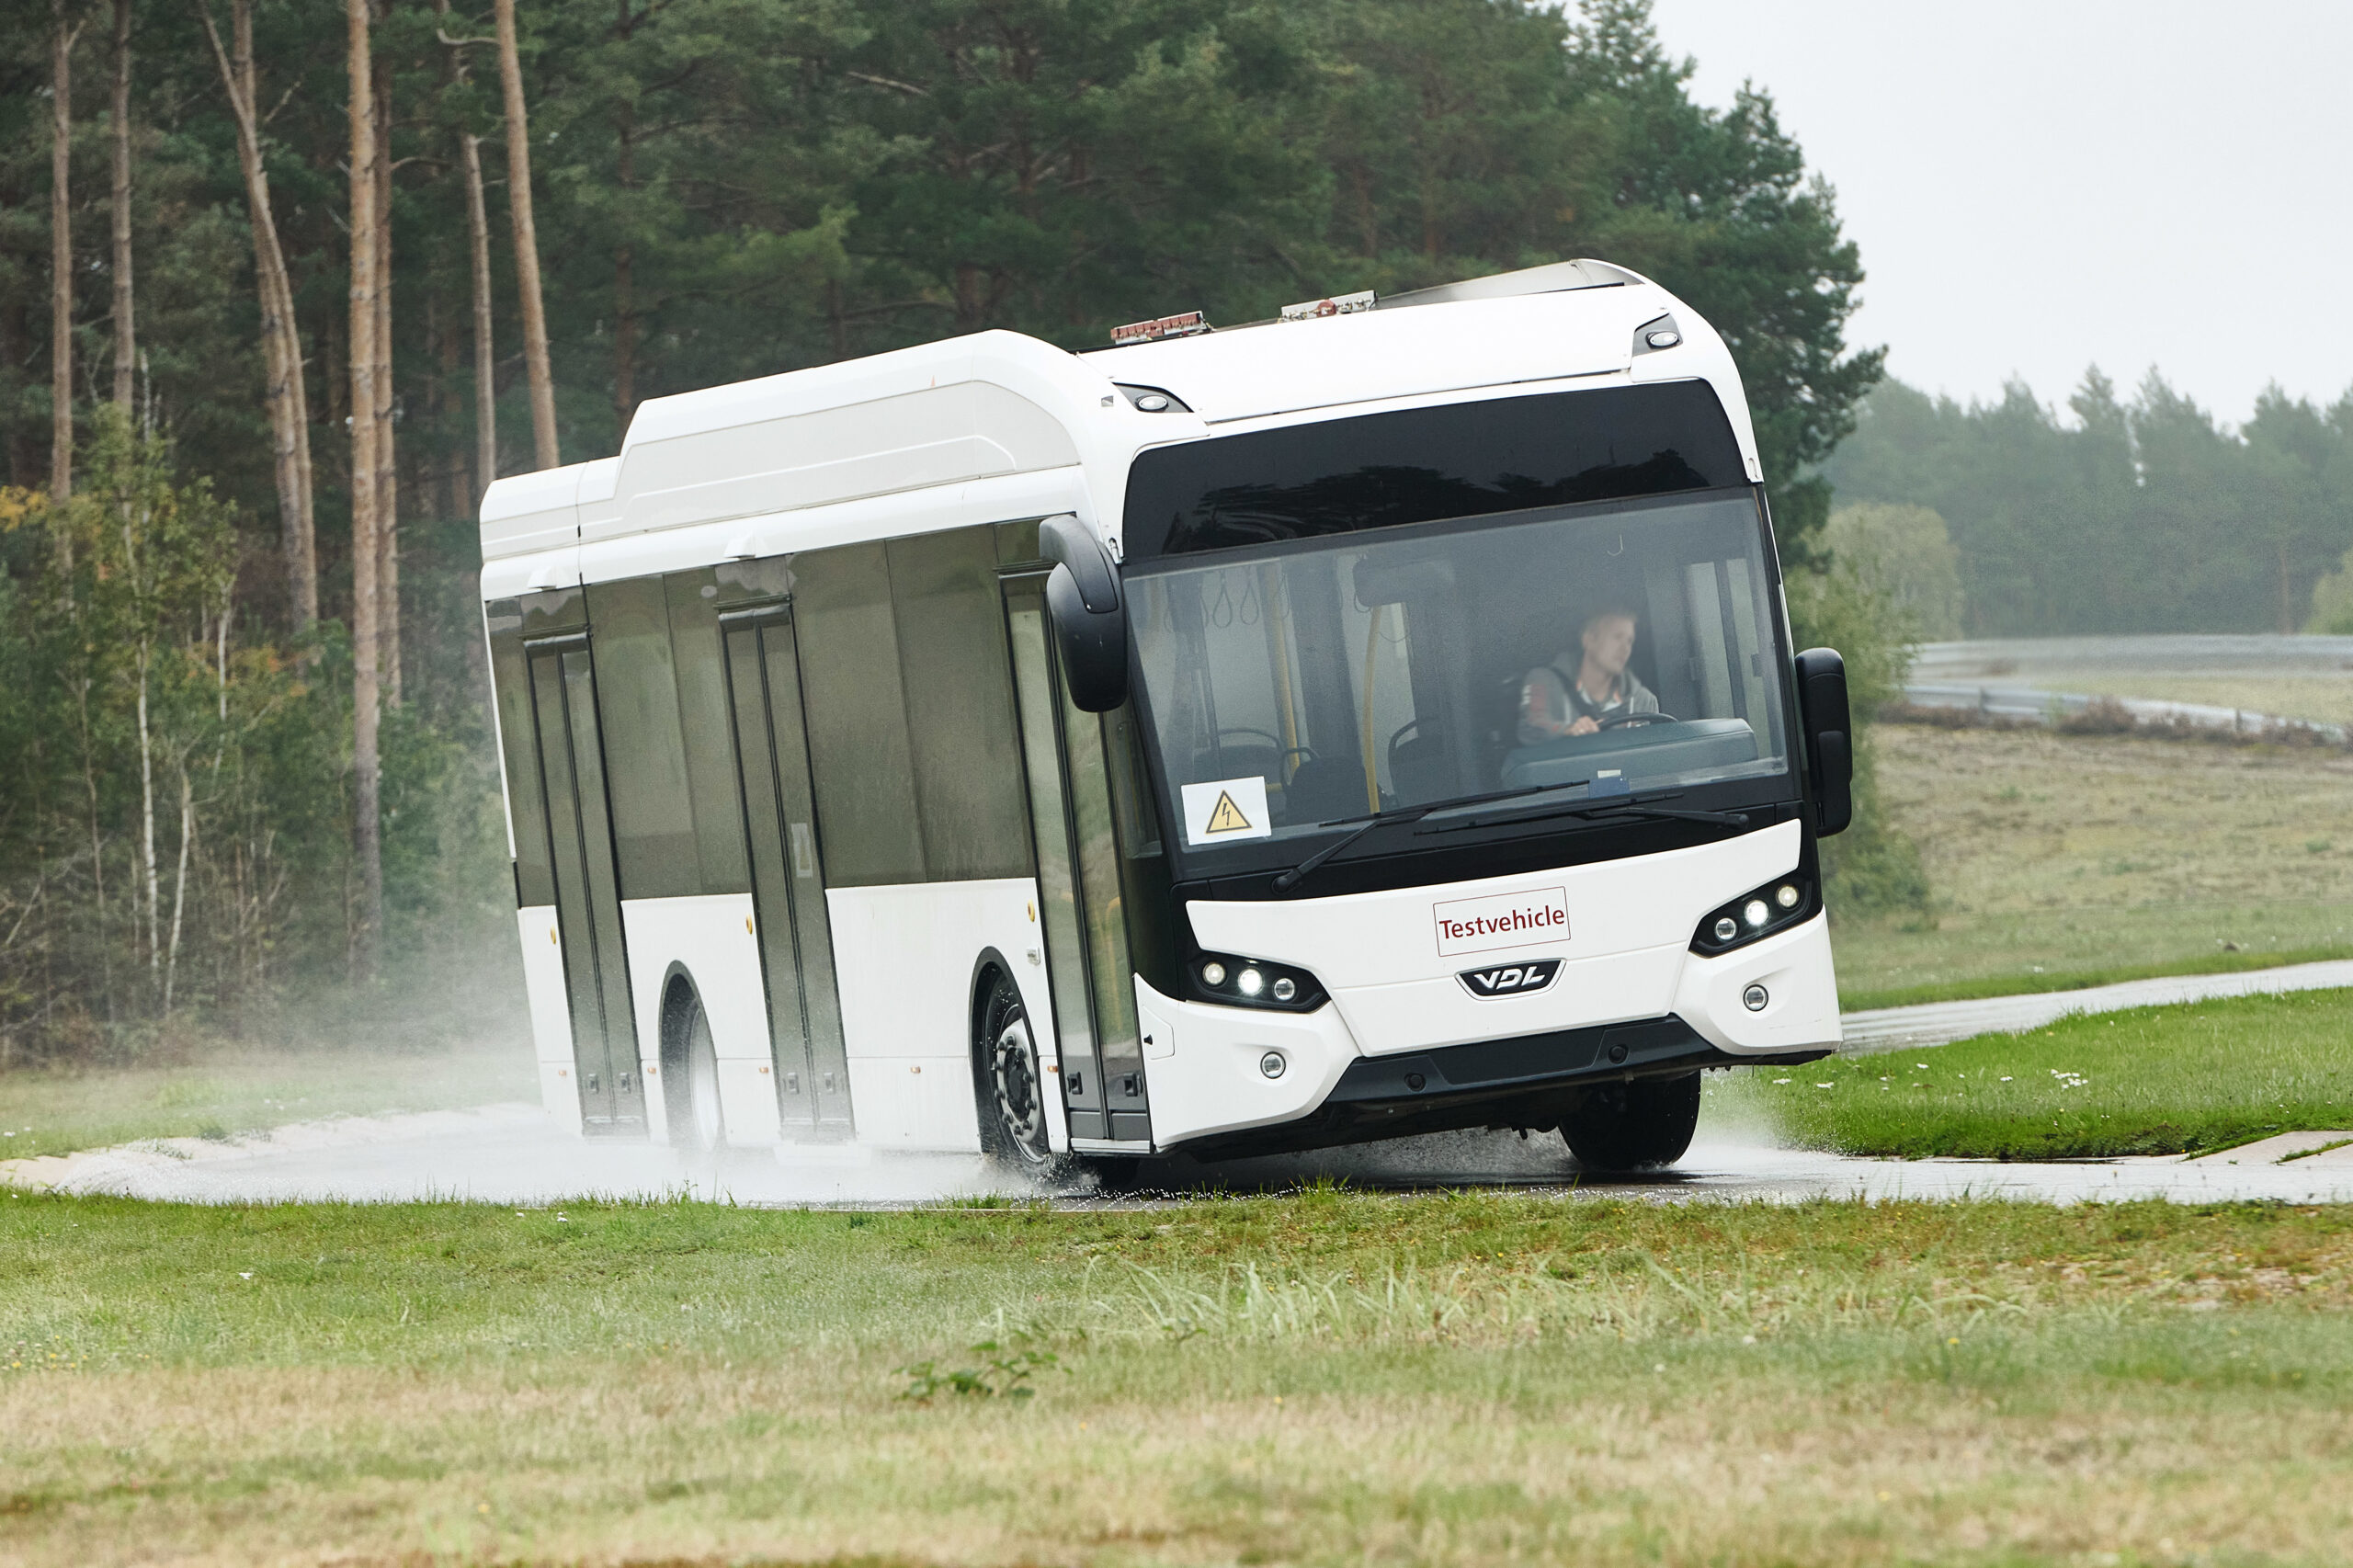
(221, 1091)
(2039, 978)
(2150, 1081)
(1327, 1379)
(2058, 861)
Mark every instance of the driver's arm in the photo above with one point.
(1544, 706)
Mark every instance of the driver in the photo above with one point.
(1553, 703)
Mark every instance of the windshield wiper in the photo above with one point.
(1601, 810)
(1299, 872)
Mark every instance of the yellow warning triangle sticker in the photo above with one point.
(1227, 817)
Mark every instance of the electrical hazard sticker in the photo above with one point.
(1225, 810)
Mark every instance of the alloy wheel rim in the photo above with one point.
(1020, 1108)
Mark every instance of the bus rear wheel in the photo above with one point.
(1013, 1087)
(697, 1118)
(1633, 1127)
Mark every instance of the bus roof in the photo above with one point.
(998, 426)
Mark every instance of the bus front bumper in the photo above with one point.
(1529, 1082)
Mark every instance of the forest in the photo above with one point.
(283, 286)
(2120, 514)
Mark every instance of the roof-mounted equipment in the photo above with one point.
(1188, 325)
(1337, 305)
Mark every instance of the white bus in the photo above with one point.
(1375, 722)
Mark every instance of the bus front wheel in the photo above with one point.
(1013, 1089)
(1633, 1127)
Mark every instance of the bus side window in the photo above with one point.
(963, 739)
(637, 701)
(510, 684)
(1130, 791)
(856, 707)
(711, 743)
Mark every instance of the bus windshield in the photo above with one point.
(1605, 648)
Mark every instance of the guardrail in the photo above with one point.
(2033, 705)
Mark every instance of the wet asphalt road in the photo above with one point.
(514, 1154)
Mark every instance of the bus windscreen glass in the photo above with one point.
(1604, 648)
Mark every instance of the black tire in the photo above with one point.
(1634, 1127)
(697, 1118)
(1012, 1085)
(1115, 1175)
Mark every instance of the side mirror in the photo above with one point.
(1829, 737)
(1090, 619)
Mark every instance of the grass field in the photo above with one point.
(214, 1093)
(1325, 1379)
(2066, 861)
(2150, 1081)
(2316, 696)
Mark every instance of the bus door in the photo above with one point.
(787, 873)
(1082, 911)
(588, 892)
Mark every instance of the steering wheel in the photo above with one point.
(1624, 719)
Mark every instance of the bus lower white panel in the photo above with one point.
(1209, 1064)
(709, 939)
(914, 1105)
(904, 956)
(551, 1014)
(1418, 1014)
(1800, 1011)
(747, 1099)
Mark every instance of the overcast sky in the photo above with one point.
(2040, 184)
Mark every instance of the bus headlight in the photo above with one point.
(1780, 904)
(1236, 982)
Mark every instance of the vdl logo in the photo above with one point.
(1511, 980)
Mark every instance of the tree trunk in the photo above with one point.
(388, 491)
(126, 337)
(147, 812)
(367, 830)
(335, 369)
(179, 886)
(485, 357)
(287, 399)
(61, 257)
(625, 283)
(2287, 593)
(527, 243)
(485, 465)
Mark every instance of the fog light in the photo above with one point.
(1754, 999)
(1272, 1064)
(1665, 337)
(1757, 914)
(1726, 930)
(1786, 896)
(1285, 989)
(1249, 982)
(1212, 973)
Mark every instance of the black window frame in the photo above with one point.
(1400, 857)
(1361, 469)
